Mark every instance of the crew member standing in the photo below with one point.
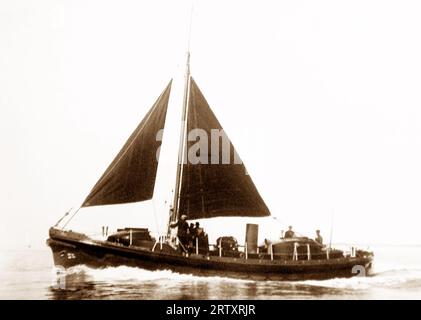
(319, 238)
(182, 231)
(289, 233)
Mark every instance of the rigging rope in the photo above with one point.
(65, 215)
(157, 225)
(278, 220)
(70, 219)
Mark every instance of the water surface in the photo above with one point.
(30, 274)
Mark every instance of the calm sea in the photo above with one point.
(29, 274)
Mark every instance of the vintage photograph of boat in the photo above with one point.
(185, 150)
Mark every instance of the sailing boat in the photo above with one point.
(206, 186)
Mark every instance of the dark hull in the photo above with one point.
(69, 251)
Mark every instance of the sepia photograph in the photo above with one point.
(210, 150)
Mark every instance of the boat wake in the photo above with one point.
(132, 274)
(385, 278)
(382, 277)
(125, 282)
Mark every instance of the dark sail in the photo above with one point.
(209, 189)
(131, 175)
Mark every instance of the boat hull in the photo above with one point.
(69, 251)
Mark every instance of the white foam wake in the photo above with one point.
(383, 276)
(124, 273)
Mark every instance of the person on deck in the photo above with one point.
(192, 232)
(197, 230)
(319, 238)
(289, 234)
(201, 239)
(182, 231)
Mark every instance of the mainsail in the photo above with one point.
(212, 188)
(131, 176)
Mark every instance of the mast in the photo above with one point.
(182, 145)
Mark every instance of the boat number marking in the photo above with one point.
(71, 256)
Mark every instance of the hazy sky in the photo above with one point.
(321, 99)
